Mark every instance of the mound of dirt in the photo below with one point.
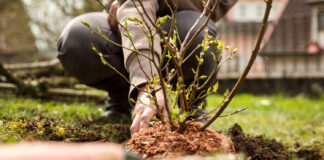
(309, 154)
(160, 141)
(257, 147)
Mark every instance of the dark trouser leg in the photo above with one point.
(82, 62)
(185, 20)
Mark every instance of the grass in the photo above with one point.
(287, 119)
(28, 120)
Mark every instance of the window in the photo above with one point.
(321, 20)
(242, 10)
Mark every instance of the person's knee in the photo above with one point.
(74, 34)
(187, 18)
(76, 54)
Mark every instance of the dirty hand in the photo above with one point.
(145, 110)
(113, 24)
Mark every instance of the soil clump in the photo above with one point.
(267, 149)
(257, 147)
(309, 154)
(159, 141)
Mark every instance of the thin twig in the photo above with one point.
(187, 42)
(247, 69)
(235, 112)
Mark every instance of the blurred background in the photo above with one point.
(291, 59)
(286, 75)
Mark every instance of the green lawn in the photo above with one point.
(29, 120)
(288, 119)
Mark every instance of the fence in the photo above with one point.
(285, 55)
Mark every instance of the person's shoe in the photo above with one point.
(116, 112)
(115, 117)
(200, 112)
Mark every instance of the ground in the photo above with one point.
(294, 121)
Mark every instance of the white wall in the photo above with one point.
(252, 10)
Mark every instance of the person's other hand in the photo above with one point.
(113, 24)
(145, 110)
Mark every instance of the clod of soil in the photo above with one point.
(308, 154)
(160, 141)
(257, 147)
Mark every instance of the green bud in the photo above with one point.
(86, 23)
(99, 31)
(163, 19)
(201, 61)
(203, 77)
(132, 100)
(193, 71)
(220, 45)
(126, 24)
(208, 90)
(235, 50)
(180, 79)
(131, 19)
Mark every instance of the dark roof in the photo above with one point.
(239, 27)
(293, 31)
(314, 1)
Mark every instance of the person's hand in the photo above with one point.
(113, 24)
(145, 110)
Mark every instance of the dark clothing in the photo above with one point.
(80, 61)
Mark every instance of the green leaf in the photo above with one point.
(208, 90)
(162, 20)
(205, 41)
(220, 45)
(215, 87)
(156, 81)
(193, 71)
(226, 93)
(126, 24)
(193, 113)
(174, 39)
(197, 58)
(138, 20)
(132, 100)
(188, 93)
(183, 117)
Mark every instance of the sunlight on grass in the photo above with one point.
(288, 119)
(30, 120)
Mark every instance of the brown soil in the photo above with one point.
(160, 141)
(259, 148)
(309, 154)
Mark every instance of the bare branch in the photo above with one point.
(247, 69)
